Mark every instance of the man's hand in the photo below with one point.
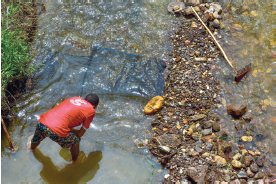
(80, 132)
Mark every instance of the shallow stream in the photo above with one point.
(115, 50)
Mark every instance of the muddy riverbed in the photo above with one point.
(72, 41)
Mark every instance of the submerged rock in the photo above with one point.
(154, 105)
(236, 110)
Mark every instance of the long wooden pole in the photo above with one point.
(7, 134)
(214, 39)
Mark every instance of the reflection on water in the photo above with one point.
(84, 171)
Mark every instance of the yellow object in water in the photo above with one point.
(154, 105)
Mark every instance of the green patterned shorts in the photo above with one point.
(42, 131)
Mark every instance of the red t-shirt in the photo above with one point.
(68, 114)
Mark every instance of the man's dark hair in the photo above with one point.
(92, 98)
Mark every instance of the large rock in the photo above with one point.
(176, 7)
(154, 105)
(236, 110)
(198, 173)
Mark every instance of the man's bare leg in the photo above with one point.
(34, 145)
(75, 152)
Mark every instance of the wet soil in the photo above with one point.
(193, 110)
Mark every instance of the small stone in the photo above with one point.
(242, 159)
(247, 116)
(196, 136)
(259, 175)
(164, 148)
(242, 174)
(251, 152)
(249, 172)
(248, 160)
(254, 167)
(237, 156)
(216, 23)
(216, 126)
(177, 59)
(206, 154)
(246, 138)
(257, 152)
(189, 11)
(176, 7)
(197, 53)
(237, 27)
(260, 161)
(206, 132)
(236, 110)
(243, 151)
(221, 162)
(154, 105)
(236, 164)
(196, 8)
(193, 25)
(253, 14)
(200, 59)
(193, 153)
(206, 124)
(209, 146)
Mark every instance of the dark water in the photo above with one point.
(114, 50)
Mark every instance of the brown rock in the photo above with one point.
(248, 160)
(247, 116)
(236, 109)
(249, 172)
(198, 173)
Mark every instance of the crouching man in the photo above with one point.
(58, 123)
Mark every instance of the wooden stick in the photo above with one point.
(7, 134)
(214, 39)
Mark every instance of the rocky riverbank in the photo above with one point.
(191, 131)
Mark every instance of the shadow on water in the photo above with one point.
(83, 172)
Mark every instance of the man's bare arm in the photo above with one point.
(79, 132)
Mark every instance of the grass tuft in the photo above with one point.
(14, 51)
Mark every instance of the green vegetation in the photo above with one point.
(14, 50)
